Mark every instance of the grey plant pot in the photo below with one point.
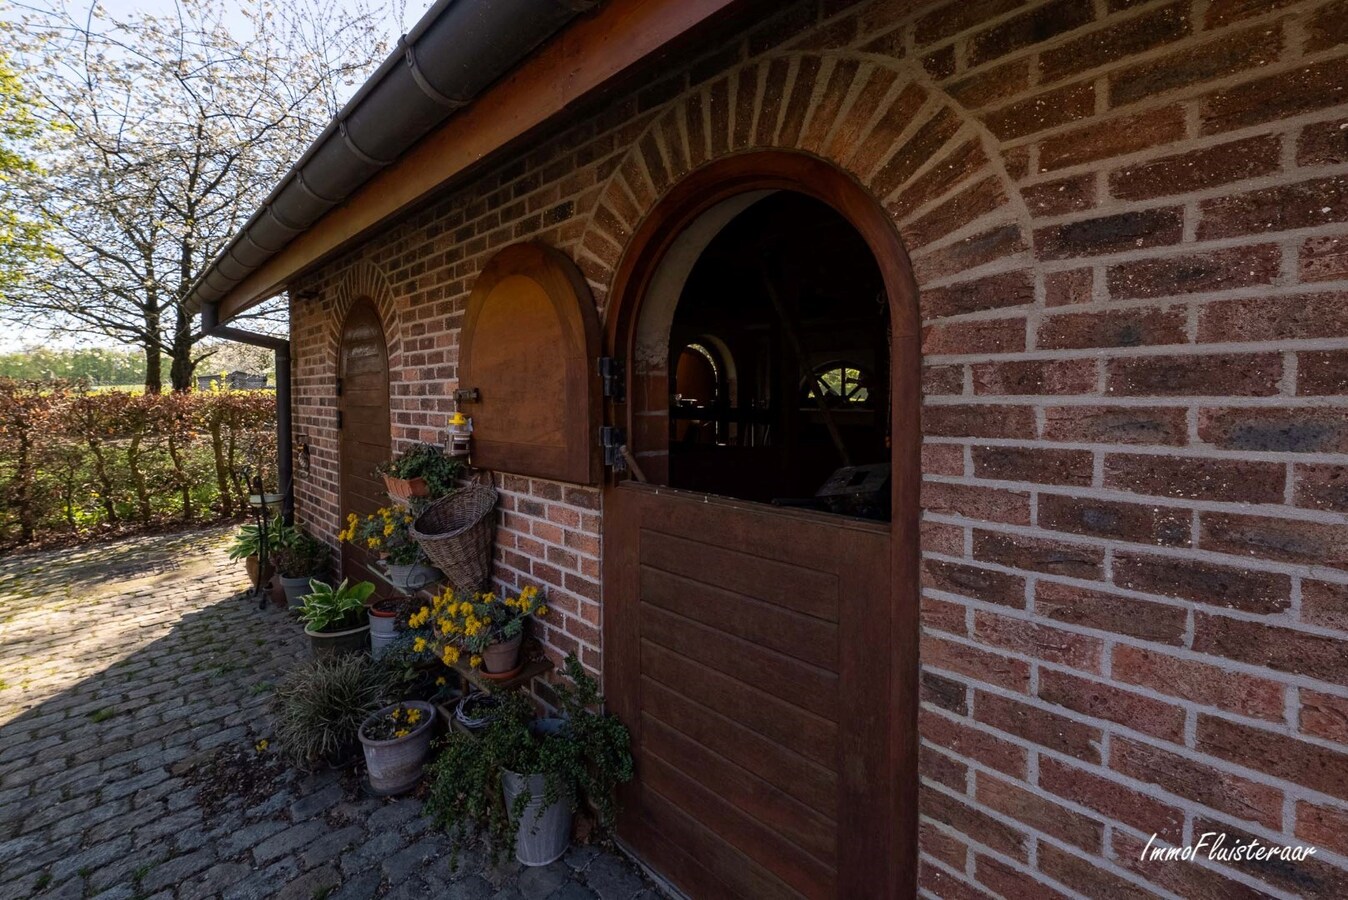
(395, 766)
(296, 589)
(327, 644)
(383, 631)
(539, 839)
(413, 578)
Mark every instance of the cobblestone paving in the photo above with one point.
(123, 670)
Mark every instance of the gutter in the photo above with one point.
(453, 53)
(285, 475)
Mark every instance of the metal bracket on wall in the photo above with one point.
(468, 395)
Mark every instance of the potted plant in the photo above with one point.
(386, 532)
(318, 709)
(383, 626)
(299, 560)
(396, 740)
(488, 627)
(247, 545)
(335, 617)
(521, 781)
(422, 470)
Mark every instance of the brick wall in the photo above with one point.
(1127, 222)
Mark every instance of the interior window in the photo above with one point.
(780, 342)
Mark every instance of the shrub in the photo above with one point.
(74, 460)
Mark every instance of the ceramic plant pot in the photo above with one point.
(295, 589)
(406, 488)
(395, 766)
(383, 626)
(410, 579)
(256, 575)
(503, 656)
(327, 644)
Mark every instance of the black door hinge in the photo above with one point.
(613, 378)
(339, 387)
(613, 441)
(339, 420)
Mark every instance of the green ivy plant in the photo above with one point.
(425, 461)
(582, 762)
(328, 608)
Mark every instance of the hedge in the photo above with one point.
(77, 462)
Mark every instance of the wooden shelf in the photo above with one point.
(527, 673)
(378, 570)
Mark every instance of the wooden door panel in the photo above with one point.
(814, 786)
(740, 876)
(809, 687)
(813, 737)
(810, 640)
(808, 830)
(804, 590)
(764, 845)
(747, 648)
(365, 435)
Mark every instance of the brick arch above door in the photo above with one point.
(363, 279)
(936, 169)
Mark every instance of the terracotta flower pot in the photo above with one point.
(503, 656)
(406, 488)
(255, 574)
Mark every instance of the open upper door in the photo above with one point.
(527, 366)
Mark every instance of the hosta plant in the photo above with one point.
(327, 608)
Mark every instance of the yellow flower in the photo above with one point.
(372, 542)
(440, 682)
(541, 611)
(475, 661)
(388, 530)
(419, 645)
(401, 732)
(450, 656)
(261, 745)
(413, 716)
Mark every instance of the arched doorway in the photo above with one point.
(363, 420)
(759, 640)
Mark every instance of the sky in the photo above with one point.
(400, 19)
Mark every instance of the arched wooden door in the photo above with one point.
(363, 417)
(764, 658)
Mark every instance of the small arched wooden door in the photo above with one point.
(363, 423)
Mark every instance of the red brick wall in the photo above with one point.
(1127, 222)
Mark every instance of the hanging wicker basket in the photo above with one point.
(456, 533)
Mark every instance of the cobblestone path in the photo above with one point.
(126, 672)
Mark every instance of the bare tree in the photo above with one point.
(165, 133)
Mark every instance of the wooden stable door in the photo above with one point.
(363, 410)
(748, 649)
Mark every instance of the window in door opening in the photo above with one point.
(789, 297)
